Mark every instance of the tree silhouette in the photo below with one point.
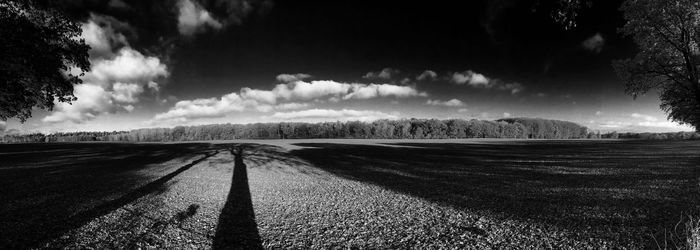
(667, 35)
(41, 58)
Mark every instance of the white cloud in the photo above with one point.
(386, 74)
(201, 108)
(470, 77)
(3, 127)
(477, 80)
(154, 86)
(662, 124)
(129, 65)
(129, 108)
(450, 103)
(462, 110)
(301, 90)
(427, 75)
(264, 96)
(193, 18)
(126, 92)
(647, 118)
(594, 43)
(291, 106)
(101, 39)
(364, 91)
(92, 101)
(333, 115)
(286, 78)
(291, 95)
(646, 124)
(114, 82)
(597, 113)
(506, 115)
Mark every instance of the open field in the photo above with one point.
(348, 193)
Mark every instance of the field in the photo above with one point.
(473, 194)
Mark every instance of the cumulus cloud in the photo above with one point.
(115, 81)
(477, 80)
(129, 65)
(594, 43)
(301, 90)
(101, 38)
(427, 75)
(92, 101)
(333, 115)
(363, 91)
(450, 103)
(3, 127)
(385, 74)
(126, 92)
(154, 86)
(264, 96)
(193, 18)
(285, 78)
(470, 77)
(305, 91)
(210, 107)
(291, 95)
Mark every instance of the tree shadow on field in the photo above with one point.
(619, 191)
(50, 189)
(237, 228)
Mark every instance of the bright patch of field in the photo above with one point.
(348, 193)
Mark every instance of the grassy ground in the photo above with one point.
(348, 193)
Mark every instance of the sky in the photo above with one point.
(190, 62)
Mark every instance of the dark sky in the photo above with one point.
(481, 59)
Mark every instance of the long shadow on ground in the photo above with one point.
(49, 189)
(619, 191)
(237, 228)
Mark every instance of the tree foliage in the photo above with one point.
(41, 58)
(667, 34)
(565, 12)
(515, 128)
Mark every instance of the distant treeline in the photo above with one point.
(380, 129)
(516, 128)
(653, 136)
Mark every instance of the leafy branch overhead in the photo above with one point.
(667, 34)
(41, 58)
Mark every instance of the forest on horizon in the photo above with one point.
(509, 128)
